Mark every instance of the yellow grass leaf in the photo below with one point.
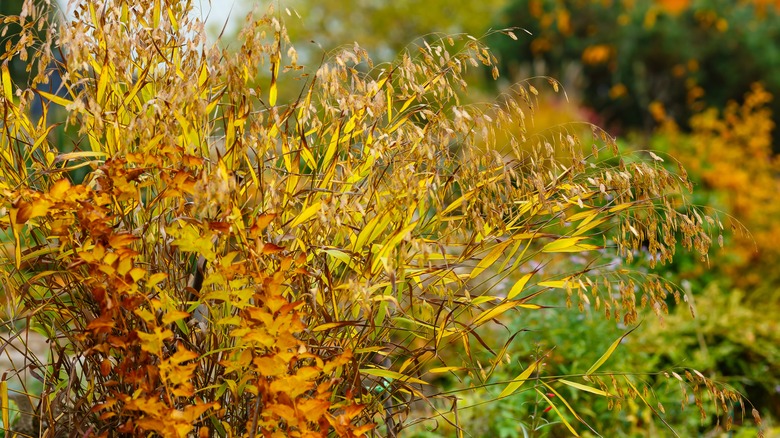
(371, 231)
(440, 370)
(332, 325)
(54, 98)
(619, 207)
(306, 214)
(483, 299)
(560, 284)
(392, 243)
(273, 91)
(518, 381)
(518, 286)
(102, 83)
(392, 375)
(568, 244)
(494, 312)
(568, 406)
(588, 224)
(608, 353)
(585, 388)
(332, 147)
(489, 259)
(555, 408)
(4, 398)
(9, 93)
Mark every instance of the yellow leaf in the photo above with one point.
(585, 388)
(102, 83)
(203, 75)
(371, 231)
(306, 214)
(568, 406)
(137, 274)
(81, 154)
(389, 98)
(494, 312)
(490, 259)
(519, 285)
(351, 123)
(54, 98)
(308, 157)
(483, 299)
(8, 91)
(588, 224)
(174, 22)
(332, 325)
(468, 195)
(137, 86)
(392, 243)
(156, 14)
(173, 316)
(145, 315)
(608, 353)
(440, 370)
(154, 279)
(562, 244)
(620, 207)
(560, 283)
(153, 342)
(59, 189)
(392, 375)
(555, 408)
(332, 146)
(4, 397)
(587, 215)
(518, 381)
(274, 89)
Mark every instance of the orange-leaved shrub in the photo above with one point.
(242, 262)
(729, 154)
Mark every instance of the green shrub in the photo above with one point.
(687, 55)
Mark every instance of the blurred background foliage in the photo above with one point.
(623, 55)
(692, 80)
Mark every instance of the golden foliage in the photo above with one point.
(238, 261)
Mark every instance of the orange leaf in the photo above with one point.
(270, 248)
(30, 210)
(261, 223)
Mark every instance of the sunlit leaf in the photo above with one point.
(490, 259)
(585, 388)
(518, 286)
(392, 375)
(518, 381)
(8, 93)
(54, 98)
(569, 244)
(607, 354)
(306, 214)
